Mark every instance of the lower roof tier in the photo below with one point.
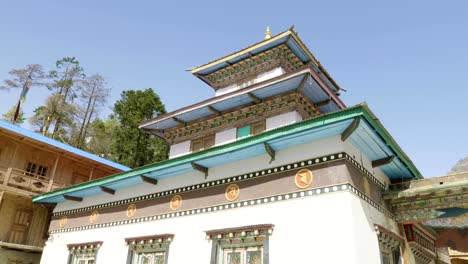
(357, 124)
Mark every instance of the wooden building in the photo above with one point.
(273, 169)
(31, 164)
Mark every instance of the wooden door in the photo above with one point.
(20, 226)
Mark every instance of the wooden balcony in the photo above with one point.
(30, 182)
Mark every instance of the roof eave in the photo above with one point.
(359, 110)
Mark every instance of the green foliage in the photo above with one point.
(133, 147)
(101, 136)
(8, 116)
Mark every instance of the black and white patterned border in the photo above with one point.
(233, 205)
(237, 178)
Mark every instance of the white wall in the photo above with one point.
(226, 136)
(270, 74)
(179, 149)
(260, 78)
(328, 228)
(282, 120)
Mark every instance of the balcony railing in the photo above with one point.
(27, 181)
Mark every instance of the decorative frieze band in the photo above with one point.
(84, 249)
(260, 173)
(243, 116)
(256, 64)
(234, 205)
(388, 240)
(244, 231)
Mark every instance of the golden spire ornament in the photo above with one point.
(268, 33)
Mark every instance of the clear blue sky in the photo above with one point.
(407, 59)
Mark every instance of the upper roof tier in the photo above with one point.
(297, 54)
(304, 80)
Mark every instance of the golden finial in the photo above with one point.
(267, 33)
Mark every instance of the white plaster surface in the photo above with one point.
(282, 120)
(260, 78)
(270, 74)
(226, 136)
(328, 228)
(179, 149)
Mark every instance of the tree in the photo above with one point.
(32, 72)
(8, 116)
(100, 136)
(68, 72)
(93, 94)
(133, 147)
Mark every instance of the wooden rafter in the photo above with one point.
(179, 121)
(270, 151)
(214, 110)
(350, 129)
(107, 190)
(254, 98)
(200, 168)
(322, 103)
(73, 198)
(383, 161)
(48, 205)
(302, 83)
(149, 180)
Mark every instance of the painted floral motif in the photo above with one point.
(458, 222)
(234, 258)
(254, 257)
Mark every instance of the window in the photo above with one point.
(31, 169)
(257, 128)
(241, 245)
(250, 255)
(83, 253)
(202, 143)
(34, 169)
(251, 130)
(389, 244)
(149, 249)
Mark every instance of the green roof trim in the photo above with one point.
(348, 113)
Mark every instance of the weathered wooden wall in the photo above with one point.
(35, 235)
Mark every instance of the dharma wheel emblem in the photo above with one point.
(63, 221)
(303, 178)
(131, 210)
(232, 192)
(94, 217)
(176, 202)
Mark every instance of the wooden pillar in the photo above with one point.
(52, 177)
(10, 164)
(91, 174)
(1, 200)
(7, 176)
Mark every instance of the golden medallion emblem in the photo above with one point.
(63, 221)
(176, 202)
(232, 192)
(303, 178)
(131, 210)
(94, 217)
